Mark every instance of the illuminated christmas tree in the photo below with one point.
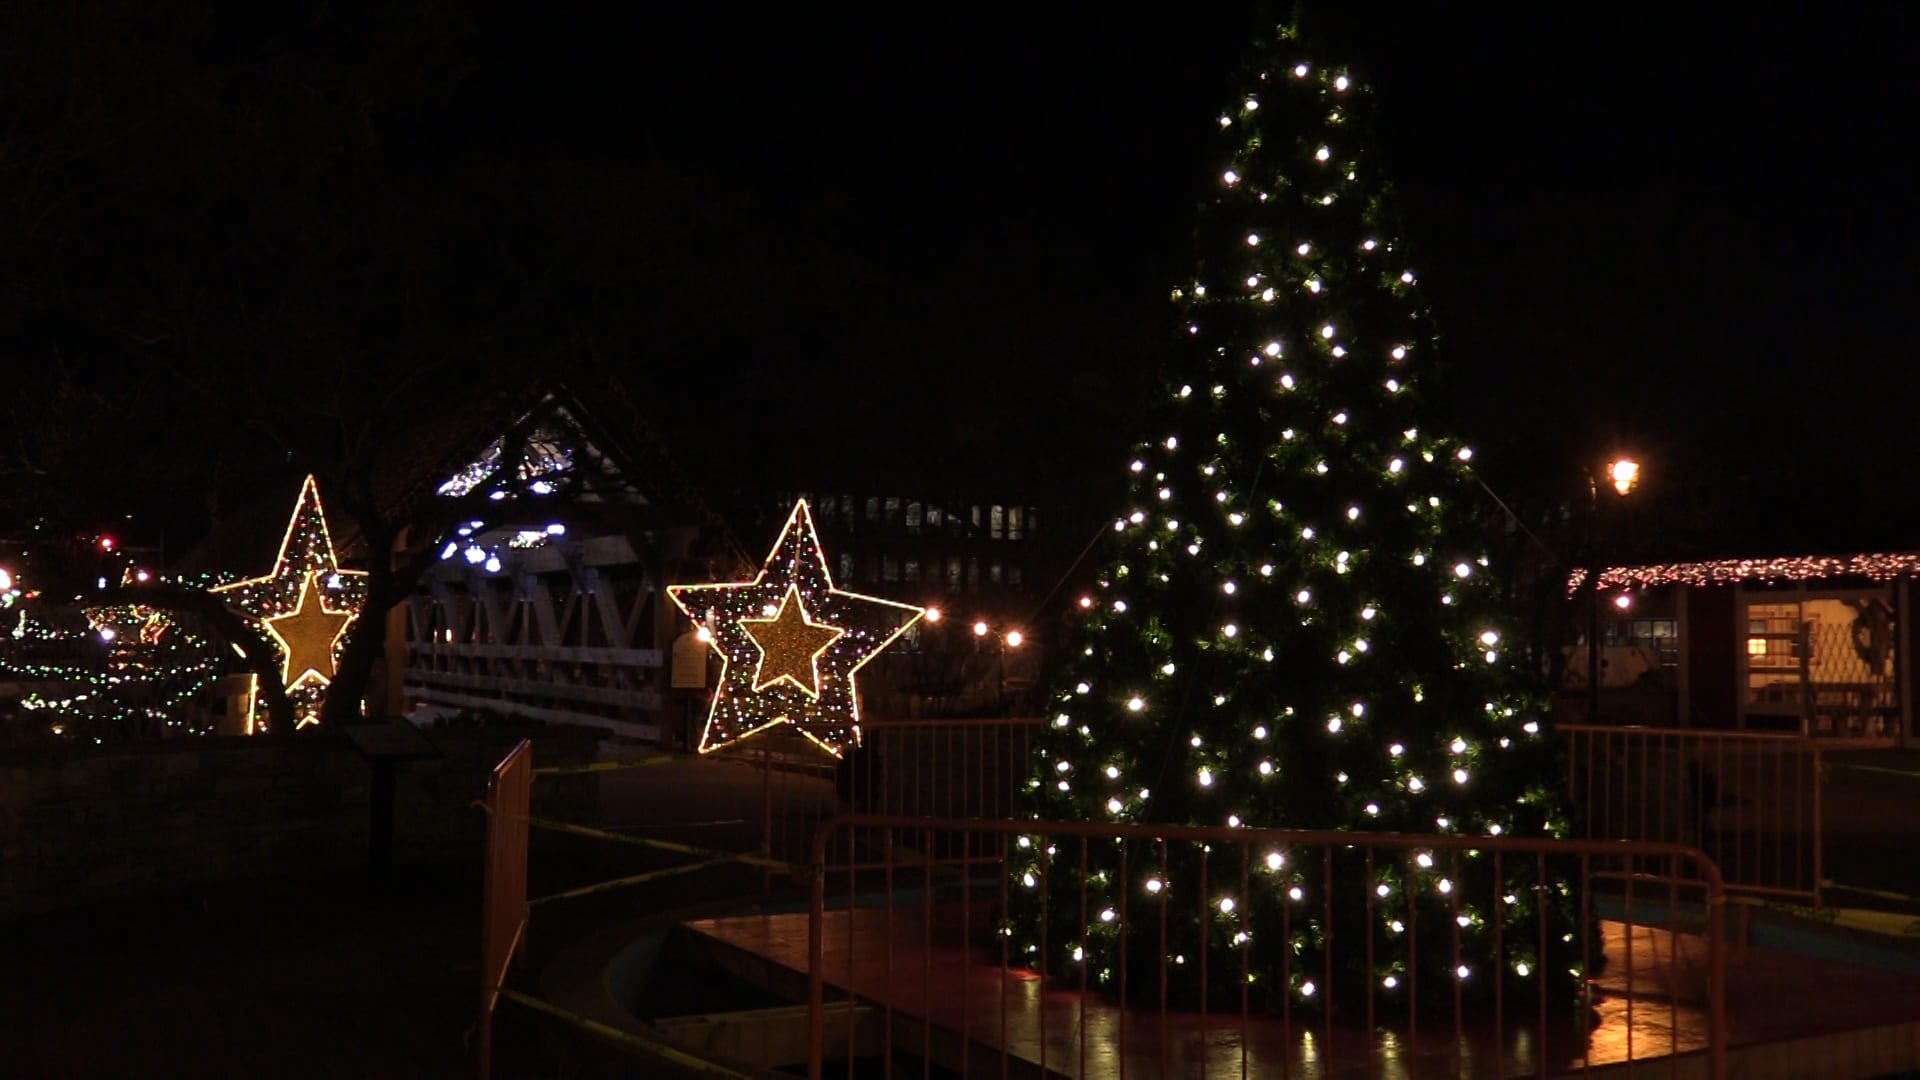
(1296, 626)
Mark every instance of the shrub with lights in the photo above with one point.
(1296, 627)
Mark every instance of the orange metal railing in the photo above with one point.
(1751, 801)
(917, 950)
(920, 768)
(503, 904)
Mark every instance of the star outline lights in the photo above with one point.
(795, 569)
(306, 562)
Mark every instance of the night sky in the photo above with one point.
(1684, 236)
(934, 249)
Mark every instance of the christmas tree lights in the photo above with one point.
(790, 643)
(1296, 626)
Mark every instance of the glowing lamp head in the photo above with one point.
(1624, 474)
(1014, 638)
(933, 614)
(6, 581)
(1623, 601)
(980, 629)
(703, 635)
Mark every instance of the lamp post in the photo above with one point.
(1623, 475)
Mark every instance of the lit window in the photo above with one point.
(913, 518)
(996, 518)
(1014, 522)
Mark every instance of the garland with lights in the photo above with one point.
(1296, 627)
(1881, 567)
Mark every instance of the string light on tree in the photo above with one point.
(1352, 624)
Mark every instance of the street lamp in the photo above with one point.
(1623, 475)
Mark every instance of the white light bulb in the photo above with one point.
(1252, 104)
(1230, 630)
(1166, 668)
(1228, 587)
(1027, 880)
(1303, 249)
(1154, 885)
(1425, 860)
(1081, 688)
(1461, 971)
(1341, 83)
(1489, 637)
(1445, 886)
(1113, 772)
(1340, 418)
(1462, 570)
(1313, 286)
(1230, 177)
(1275, 860)
(1107, 915)
(1521, 969)
(1259, 730)
(1353, 513)
(1406, 277)
(1113, 806)
(1134, 704)
(1137, 465)
(1531, 727)
(1416, 785)
(1458, 745)
(1389, 982)
(1327, 330)
(1322, 154)
(1368, 245)
(1459, 776)
(1286, 380)
(1396, 749)
(1295, 893)
(1205, 777)
(1367, 613)
(1173, 443)
(1373, 809)
(1253, 239)
(1300, 71)
(1226, 905)
(1396, 465)
(1333, 725)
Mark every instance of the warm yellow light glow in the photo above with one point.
(1756, 646)
(295, 602)
(6, 581)
(1014, 638)
(703, 635)
(788, 610)
(1623, 601)
(933, 614)
(1624, 474)
(980, 629)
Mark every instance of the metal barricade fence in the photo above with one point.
(944, 768)
(921, 952)
(1751, 802)
(503, 890)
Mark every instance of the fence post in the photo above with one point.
(1819, 825)
(766, 801)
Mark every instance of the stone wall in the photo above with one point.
(79, 825)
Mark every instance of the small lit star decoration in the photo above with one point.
(305, 603)
(790, 644)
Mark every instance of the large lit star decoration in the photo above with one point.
(306, 602)
(790, 643)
